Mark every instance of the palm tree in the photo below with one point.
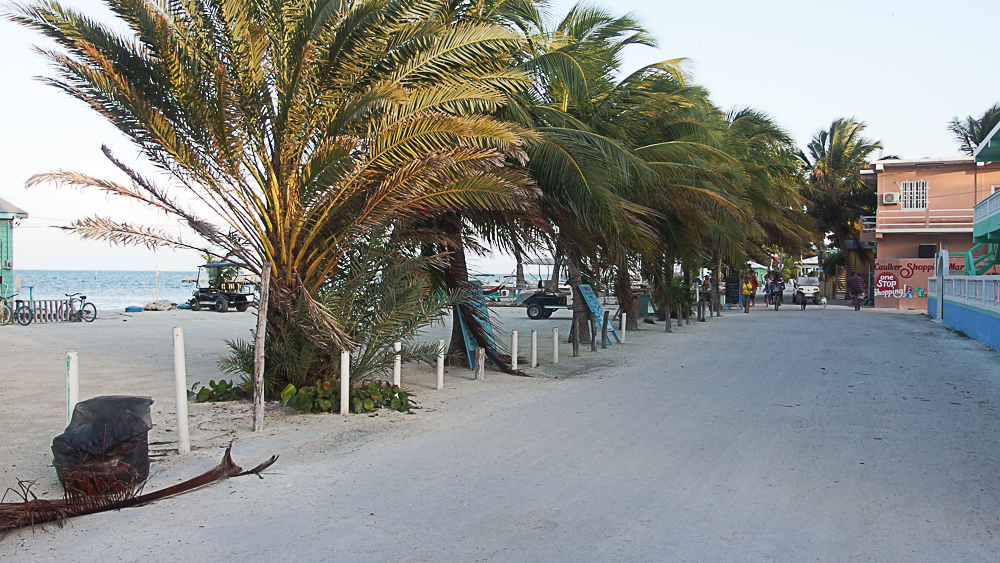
(971, 131)
(301, 129)
(837, 194)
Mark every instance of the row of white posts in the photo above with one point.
(180, 377)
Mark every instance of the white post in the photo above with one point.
(943, 270)
(621, 337)
(72, 383)
(440, 365)
(345, 382)
(180, 386)
(555, 345)
(534, 348)
(513, 350)
(397, 363)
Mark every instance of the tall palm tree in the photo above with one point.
(301, 128)
(837, 194)
(971, 131)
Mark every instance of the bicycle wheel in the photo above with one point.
(23, 315)
(6, 315)
(88, 312)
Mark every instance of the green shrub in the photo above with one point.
(215, 392)
(324, 397)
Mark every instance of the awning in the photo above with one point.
(10, 211)
(989, 149)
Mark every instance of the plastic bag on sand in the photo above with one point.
(105, 447)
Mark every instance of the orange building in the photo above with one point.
(924, 206)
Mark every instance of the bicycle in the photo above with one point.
(6, 313)
(18, 313)
(859, 300)
(86, 312)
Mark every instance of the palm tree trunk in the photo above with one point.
(581, 313)
(520, 270)
(556, 255)
(623, 289)
(455, 275)
(716, 273)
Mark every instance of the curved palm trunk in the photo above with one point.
(623, 290)
(455, 276)
(581, 313)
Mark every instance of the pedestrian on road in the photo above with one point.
(753, 296)
(747, 290)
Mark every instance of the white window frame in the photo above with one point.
(995, 188)
(913, 194)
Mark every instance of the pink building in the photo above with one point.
(924, 206)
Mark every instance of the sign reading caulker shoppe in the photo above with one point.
(901, 283)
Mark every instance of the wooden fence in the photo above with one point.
(47, 310)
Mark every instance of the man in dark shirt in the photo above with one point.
(855, 285)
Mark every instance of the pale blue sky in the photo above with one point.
(904, 67)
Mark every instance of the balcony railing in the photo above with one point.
(868, 223)
(987, 208)
(978, 291)
(924, 219)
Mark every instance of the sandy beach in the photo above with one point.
(861, 436)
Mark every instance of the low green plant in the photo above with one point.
(312, 398)
(369, 396)
(215, 392)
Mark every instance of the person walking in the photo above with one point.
(747, 290)
(753, 296)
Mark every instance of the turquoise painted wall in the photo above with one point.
(6, 253)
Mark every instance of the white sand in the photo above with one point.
(724, 441)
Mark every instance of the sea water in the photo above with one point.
(107, 289)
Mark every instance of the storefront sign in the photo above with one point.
(907, 270)
(887, 285)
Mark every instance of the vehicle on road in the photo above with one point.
(542, 303)
(222, 288)
(806, 291)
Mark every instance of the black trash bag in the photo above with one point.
(105, 449)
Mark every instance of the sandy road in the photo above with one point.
(817, 435)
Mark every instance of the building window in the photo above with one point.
(996, 188)
(913, 194)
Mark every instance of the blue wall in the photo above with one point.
(980, 324)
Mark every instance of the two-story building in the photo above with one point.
(924, 206)
(9, 214)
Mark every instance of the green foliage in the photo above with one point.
(322, 397)
(325, 397)
(215, 392)
(371, 395)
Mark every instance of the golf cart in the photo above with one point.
(806, 291)
(542, 303)
(223, 288)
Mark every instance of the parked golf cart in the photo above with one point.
(542, 303)
(222, 288)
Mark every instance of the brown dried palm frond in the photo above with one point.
(91, 495)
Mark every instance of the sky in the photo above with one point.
(904, 67)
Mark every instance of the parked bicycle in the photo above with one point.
(79, 309)
(6, 313)
(15, 311)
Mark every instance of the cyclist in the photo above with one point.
(777, 285)
(856, 288)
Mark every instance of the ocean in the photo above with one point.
(107, 289)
